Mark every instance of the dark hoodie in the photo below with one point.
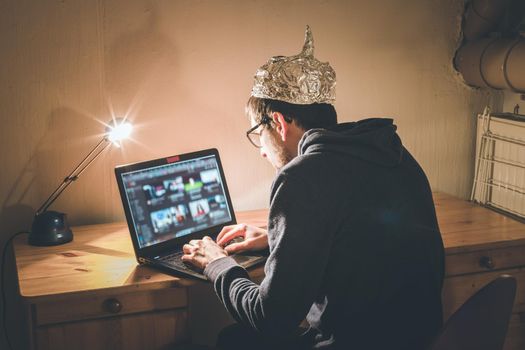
(354, 246)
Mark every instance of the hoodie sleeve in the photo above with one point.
(300, 243)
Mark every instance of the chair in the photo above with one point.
(481, 322)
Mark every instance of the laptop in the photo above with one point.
(173, 200)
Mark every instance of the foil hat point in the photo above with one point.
(308, 47)
(298, 79)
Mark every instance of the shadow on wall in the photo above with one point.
(70, 136)
(15, 216)
(134, 61)
(53, 155)
(130, 66)
(60, 148)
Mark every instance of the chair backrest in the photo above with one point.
(481, 322)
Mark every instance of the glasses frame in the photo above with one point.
(264, 121)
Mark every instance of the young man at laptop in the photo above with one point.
(354, 244)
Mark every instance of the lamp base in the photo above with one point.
(50, 228)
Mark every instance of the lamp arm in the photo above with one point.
(73, 176)
(77, 175)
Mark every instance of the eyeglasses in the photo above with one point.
(255, 137)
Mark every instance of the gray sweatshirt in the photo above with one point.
(354, 246)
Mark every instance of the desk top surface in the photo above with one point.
(101, 256)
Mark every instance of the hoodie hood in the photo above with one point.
(373, 140)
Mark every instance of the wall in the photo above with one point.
(182, 71)
(511, 99)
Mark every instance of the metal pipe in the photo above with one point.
(495, 63)
(482, 16)
(515, 66)
(498, 63)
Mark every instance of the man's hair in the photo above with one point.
(311, 116)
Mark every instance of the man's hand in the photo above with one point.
(201, 252)
(255, 238)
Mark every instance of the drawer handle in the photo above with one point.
(112, 305)
(486, 262)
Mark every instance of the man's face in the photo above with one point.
(273, 148)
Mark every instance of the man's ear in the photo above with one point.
(281, 125)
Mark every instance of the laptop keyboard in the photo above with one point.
(175, 260)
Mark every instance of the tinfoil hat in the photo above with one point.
(299, 79)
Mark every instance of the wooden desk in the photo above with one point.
(91, 294)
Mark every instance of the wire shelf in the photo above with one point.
(499, 178)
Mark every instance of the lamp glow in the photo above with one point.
(120, 130)
(51, 227)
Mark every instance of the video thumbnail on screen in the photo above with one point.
(178, 199)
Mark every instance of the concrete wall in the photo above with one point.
(182, 71)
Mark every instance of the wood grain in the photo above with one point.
(457, 289)
(471, 262)
(78, 308)
(101, 256)
(159, 330)
(65, 287)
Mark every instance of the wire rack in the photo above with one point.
(499, 179)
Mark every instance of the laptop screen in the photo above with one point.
(176, 199)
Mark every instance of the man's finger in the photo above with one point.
(231, 235)
(237, 247)
(188, 257)
(225, 230)
(228, 237)
(192, 259)
(187, 249)
(232, 232)
(195, 242)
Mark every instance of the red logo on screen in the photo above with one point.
(173, 159)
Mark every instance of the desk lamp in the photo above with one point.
(51, 227)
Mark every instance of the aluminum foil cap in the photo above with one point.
(299, 79)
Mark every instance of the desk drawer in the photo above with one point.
(86, 307)
(148, 330)
(457, 289)
(485, 260)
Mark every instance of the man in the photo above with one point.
(354, 244)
